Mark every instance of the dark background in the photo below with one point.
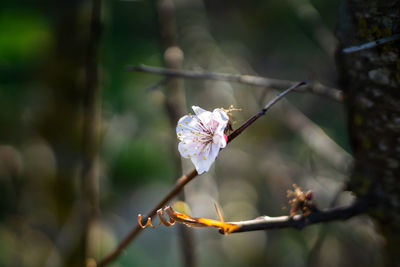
(42, 68)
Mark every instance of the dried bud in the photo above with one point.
(309, 195)
(300, 201)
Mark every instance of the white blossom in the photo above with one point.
(202, 136)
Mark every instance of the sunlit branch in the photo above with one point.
(301, 221)
(372, 44)
(315, 87)
(183, 180)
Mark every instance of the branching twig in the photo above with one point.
(301, 221)
(183, 180)
(316, 88)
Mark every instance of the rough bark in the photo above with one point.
(370, 79)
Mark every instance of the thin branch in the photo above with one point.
(372, 44)
(91, 114)
(301, 221)
(90, 127)
(263, 111)
(316, 88)
(174, 103)
(183, 180)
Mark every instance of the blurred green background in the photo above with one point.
(302, 140)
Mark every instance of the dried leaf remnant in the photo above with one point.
(174, 216)
(300, 201)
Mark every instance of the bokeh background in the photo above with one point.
(302, 140)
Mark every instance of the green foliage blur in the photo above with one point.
(42, 73)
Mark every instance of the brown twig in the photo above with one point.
(301, 221)
(316, 87)
(183, 180)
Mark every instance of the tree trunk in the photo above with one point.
(370, 79)
(68, 122)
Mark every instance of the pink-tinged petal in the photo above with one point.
(219, 139)
(213, 125)
(220, 115)
(222, 118)
(188, 128)
(205, 118)
(186, 123)
(202, 136)
(203, 161)
(189, 150)
(198, 110)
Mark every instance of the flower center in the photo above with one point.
(206, 132)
